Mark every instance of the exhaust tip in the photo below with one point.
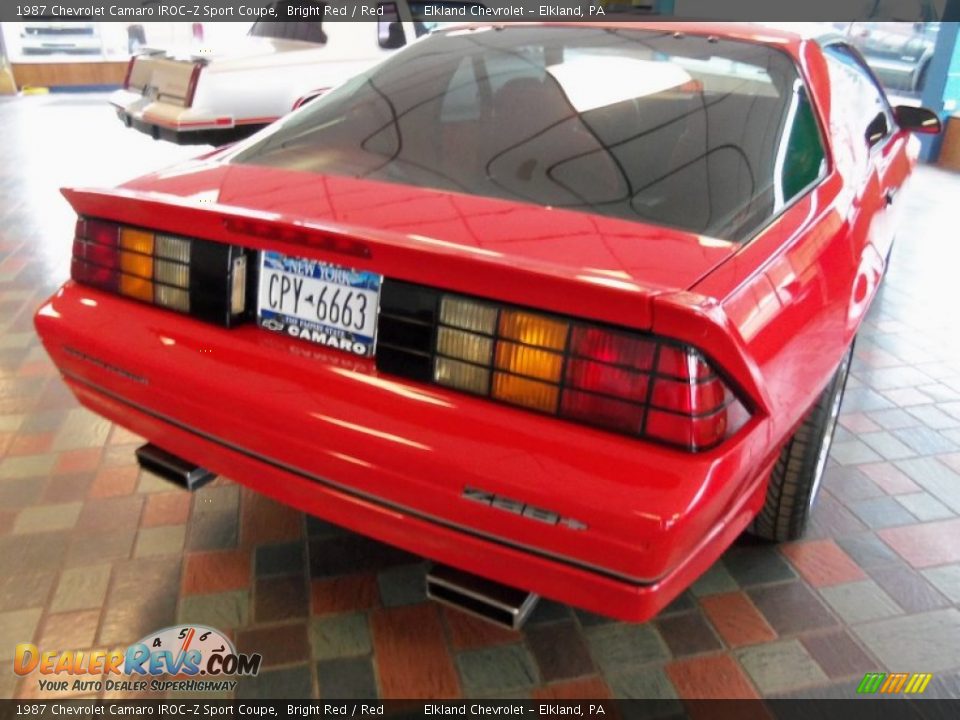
(173, 468)
(502, 605)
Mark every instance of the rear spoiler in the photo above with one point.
(686, 316)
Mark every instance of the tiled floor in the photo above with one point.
(94, 553)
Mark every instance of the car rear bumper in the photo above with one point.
(321, 431)
(185, 126)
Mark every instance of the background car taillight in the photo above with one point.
(642, 385)
(126, 77)
(204, 279)
(192, 85)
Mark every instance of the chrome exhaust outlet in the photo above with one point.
(172, 468)
(500, 604)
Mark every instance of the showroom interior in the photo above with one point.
(97, 552)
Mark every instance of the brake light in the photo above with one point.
(129, 73)
(192, 85)
(204, 279)
(642, 385)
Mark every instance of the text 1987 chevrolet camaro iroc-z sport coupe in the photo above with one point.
(562, 309)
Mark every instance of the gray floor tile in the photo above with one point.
(930, 641)
(946, 579)
(498, 669)
(781, 666)
(340, 636)
(616, 647)
(861, 601)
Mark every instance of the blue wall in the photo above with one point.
(942, 91)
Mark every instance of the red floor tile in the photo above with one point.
(115, 481)
(263, 520)
(166, 509)
(858, 422)
(467, 631)
(411, 655)
(216, 571)
(709, 678)
(593, 688)
(822, 562)
(889, 478)
(342, 594)
(935, 543)
(737, 619)
(31, 444)
(76, 461)
(278, 645)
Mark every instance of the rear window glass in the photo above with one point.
(697, 133)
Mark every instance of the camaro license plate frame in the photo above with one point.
(320, 302)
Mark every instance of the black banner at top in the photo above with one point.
(137, 11)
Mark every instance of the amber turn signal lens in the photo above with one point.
(139, 241)
(529, 361)
(529, 393)
(135, 264)
(136, 288)
(532, 329)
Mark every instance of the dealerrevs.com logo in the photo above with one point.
(191, 658)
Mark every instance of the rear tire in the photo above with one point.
(795, 480)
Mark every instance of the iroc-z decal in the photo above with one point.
(520, 508)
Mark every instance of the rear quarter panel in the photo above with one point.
(796, 295)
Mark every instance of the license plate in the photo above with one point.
(326, 304)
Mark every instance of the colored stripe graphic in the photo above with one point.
(918, 683)
(871, 683)
(893, 683)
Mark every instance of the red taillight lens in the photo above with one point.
(638, 384)
(129, 73)
(604, 411)
(686, 430)
(204, 279)
(192, 85)
(650, 387)
(613, 348)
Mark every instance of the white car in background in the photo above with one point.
(217, 95)
(51, 38)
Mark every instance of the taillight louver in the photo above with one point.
(206, 280)
(642, 385)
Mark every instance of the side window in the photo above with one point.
(804, 158)
(857, 96)
(390, 34)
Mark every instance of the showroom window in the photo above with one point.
(310, 32)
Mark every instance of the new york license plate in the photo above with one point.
(326, 304)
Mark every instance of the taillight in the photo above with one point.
(638, 384)
(204, 279)
(129, 73)
(192, 85)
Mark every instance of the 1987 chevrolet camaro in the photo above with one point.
(566, 308)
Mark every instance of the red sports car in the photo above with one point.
(561, 308)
